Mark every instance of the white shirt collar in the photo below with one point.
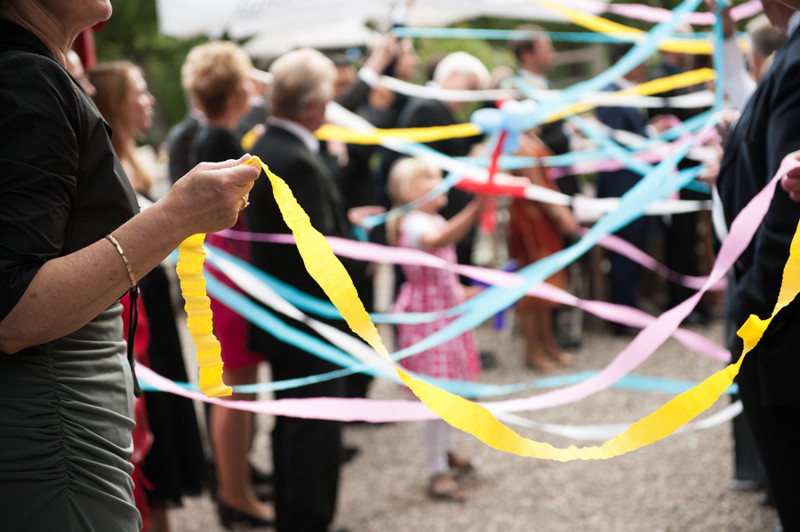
(298, 130)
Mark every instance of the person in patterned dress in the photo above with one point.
(428, 289)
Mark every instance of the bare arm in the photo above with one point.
(68, 292)
(458, 226)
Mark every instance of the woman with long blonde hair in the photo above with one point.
(126, 104)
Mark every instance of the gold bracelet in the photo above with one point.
(124, 260)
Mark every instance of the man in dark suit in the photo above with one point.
(306, 452)
(764, 134)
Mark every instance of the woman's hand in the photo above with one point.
(210, 197)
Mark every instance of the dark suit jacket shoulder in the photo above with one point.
(315, 190)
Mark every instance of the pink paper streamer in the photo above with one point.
(608, 311)
(642, 346)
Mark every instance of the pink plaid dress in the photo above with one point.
(429, 290)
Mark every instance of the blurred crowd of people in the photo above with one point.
(273, 113)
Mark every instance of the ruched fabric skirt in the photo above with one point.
(65, 433)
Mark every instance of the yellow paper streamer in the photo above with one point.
(416, 134)
(601, 25)
(431, 134)
(198, 311)
(656, 86)
(470, 417)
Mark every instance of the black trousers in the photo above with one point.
(777, 432)
(306, 453)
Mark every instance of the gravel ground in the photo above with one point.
(681, 483)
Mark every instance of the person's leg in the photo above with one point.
(436, 441)
(536, 355)
(776, 431)
(436, 438)
(548, 335)
(306, 453)
(232, 435)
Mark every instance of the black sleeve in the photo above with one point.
(38, 168)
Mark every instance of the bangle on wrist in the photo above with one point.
(125, 260)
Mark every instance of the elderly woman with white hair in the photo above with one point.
(456, 71)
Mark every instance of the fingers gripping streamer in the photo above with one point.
(198, 310)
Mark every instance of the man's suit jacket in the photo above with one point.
(317, 193)
(616, 183)
(768, 129)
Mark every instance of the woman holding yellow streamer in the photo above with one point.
(72, 243)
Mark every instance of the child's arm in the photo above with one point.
(457, 226)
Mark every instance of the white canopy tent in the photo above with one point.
(271, 19)
(341, 34)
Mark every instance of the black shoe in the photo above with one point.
(229, 516)
(349, 453)
(488, 360)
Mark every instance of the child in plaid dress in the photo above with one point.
(428, 289)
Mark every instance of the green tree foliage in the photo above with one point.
(132, 34)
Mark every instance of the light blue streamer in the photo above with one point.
(635, 56)
(370, 222)
(265, 320)
(494, 299)
(318, 307)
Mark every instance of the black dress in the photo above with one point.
(174, 465)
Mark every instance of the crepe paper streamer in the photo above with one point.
(329, 273)
(508, 35)
(658, 14)
(608, 431)
(601, 25)
(656, 86)
(641, 146)
(694, 100)
(353, 409)
(628, 250)
(637, 55)
(514, 118)
(199, 320)
(416, 134)
(345, 349)
(631, 382)
(654, 427)
(434, 92)
(608, 311)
